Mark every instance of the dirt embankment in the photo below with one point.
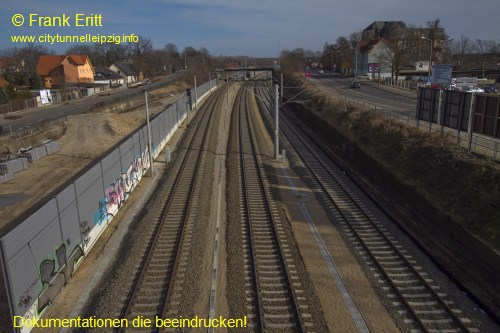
(445, 197)
(83, 138)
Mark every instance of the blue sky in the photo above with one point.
(252, 27)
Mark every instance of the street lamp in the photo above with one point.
(430, 55)
(356, 50)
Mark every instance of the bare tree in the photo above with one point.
(173, 57)
(112, 53)
(459, 48)
(199, 63)
(100, 54)
(401, 50)
(143, 45)
(334, 54)
(83, 49)
(154, 63)
(485, 48)
(344, 49)
(355, 37)
(138, 52)
(293, 61)
(171, 49)
(23, 63)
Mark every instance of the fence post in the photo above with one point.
(195, 95)
(419, 98)
(276, 126)
(471, 119)
(440, 104)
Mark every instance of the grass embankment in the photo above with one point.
(465, 187)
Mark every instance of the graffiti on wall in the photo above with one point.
(118, 191)
(54, 276)
(25, 299)
(58, 267)
(84, 232)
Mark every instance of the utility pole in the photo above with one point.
(276, 124)
(149, 134)
(356, 70)
(430, 54)
(331, 65)
(282, 85)
(195, 95)
(189, 106)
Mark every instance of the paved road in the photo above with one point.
(384, 97)
(403, 102)
(52, 112)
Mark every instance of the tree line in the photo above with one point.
(403, 44)
(142, 57)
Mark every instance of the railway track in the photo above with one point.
(273, 291)
(158, 286)
(412, 291)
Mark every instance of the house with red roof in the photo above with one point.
(57, 70)
(9, 64)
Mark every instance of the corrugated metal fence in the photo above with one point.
(41, 253)
(487, 115)
(454, 109)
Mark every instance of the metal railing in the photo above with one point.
(479, 144)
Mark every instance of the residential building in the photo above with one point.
(371, 57)
(392, 30)
(411, 46)
(124, 70)
(233, 65)
(57, 70)
(3, 82)
(382, 29)
(105, 76)
(9, 64)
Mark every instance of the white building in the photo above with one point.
(105, 76)
(371, 57)
(125, 71)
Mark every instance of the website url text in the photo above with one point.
(86, 38)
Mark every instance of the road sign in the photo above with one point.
(441, 74)
(466, 80)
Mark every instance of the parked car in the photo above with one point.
(473, 90)
(412, 78)
(321, 71)
(490, 89)
(449, 87)
(354, 84)
(364, 77)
